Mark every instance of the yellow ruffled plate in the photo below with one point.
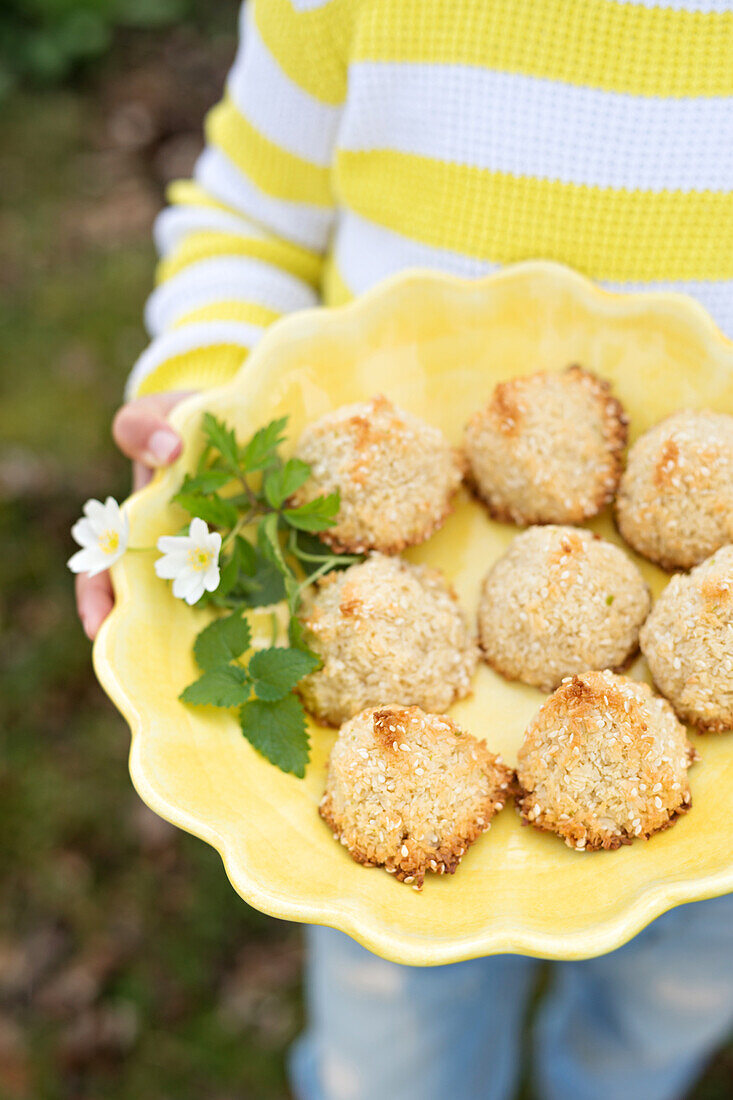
(435, 345)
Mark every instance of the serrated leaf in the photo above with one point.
(207, 482)
(222, 438)
(276, 671)
(228, 575)
(296, 637)
(222, 641)
(260, 581)
(247, 556)
(212, 509)
(278, 730)
(203, 457)
(265, 588)
(292, 591)
(268, 542)
(226, 686)
(282, 483)
(317, 515)
(260, 452)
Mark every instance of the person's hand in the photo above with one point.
(142, 432)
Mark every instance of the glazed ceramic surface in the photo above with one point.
(436, 346)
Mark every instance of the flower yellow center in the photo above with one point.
(109, 541)
(199, 559)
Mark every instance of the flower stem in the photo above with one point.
(313, 577)
(238, 526)
(334, 559)
(248, 493)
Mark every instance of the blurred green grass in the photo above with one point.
(129, 969)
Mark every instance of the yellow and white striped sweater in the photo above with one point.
(359, 137)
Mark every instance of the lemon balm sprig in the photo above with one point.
(244, 492)
(268, 552)
(244, 547)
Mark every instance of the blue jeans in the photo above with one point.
(637, 1024)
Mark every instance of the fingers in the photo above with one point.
(142, 432)
(141, 475)
(94, 601)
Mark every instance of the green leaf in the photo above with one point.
(259, 582)
(228, 574)
(316, 515)
(204, 457)
(261, 450)
(247, 556)
(276, 671)
(268, 542)
(292, 591)
(226, 686)
(278, 731)
(281, 484)
(296, 636)
(222, 641)
(265, 588)
(222, 438)
(207, 482)
(212, 509)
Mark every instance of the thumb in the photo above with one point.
(142, 432)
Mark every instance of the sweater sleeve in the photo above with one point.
(244, 240)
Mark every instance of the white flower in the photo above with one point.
(191, 561)
(102, 535)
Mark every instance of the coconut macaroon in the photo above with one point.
(396, 476)
(603, 761)
(561, 600)
(385, 630)
(410, 791)
(688, 643)
(675, 502)
(547, 448)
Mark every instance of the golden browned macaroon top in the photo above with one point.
(547, 448)
(396, 475)
(410, 791)
(385, 629)
(604, 761)
(688, 643)
(561, 600)
(675, 501)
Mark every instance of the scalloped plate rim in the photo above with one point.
(600, 939)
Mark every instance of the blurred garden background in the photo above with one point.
(129, 969)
